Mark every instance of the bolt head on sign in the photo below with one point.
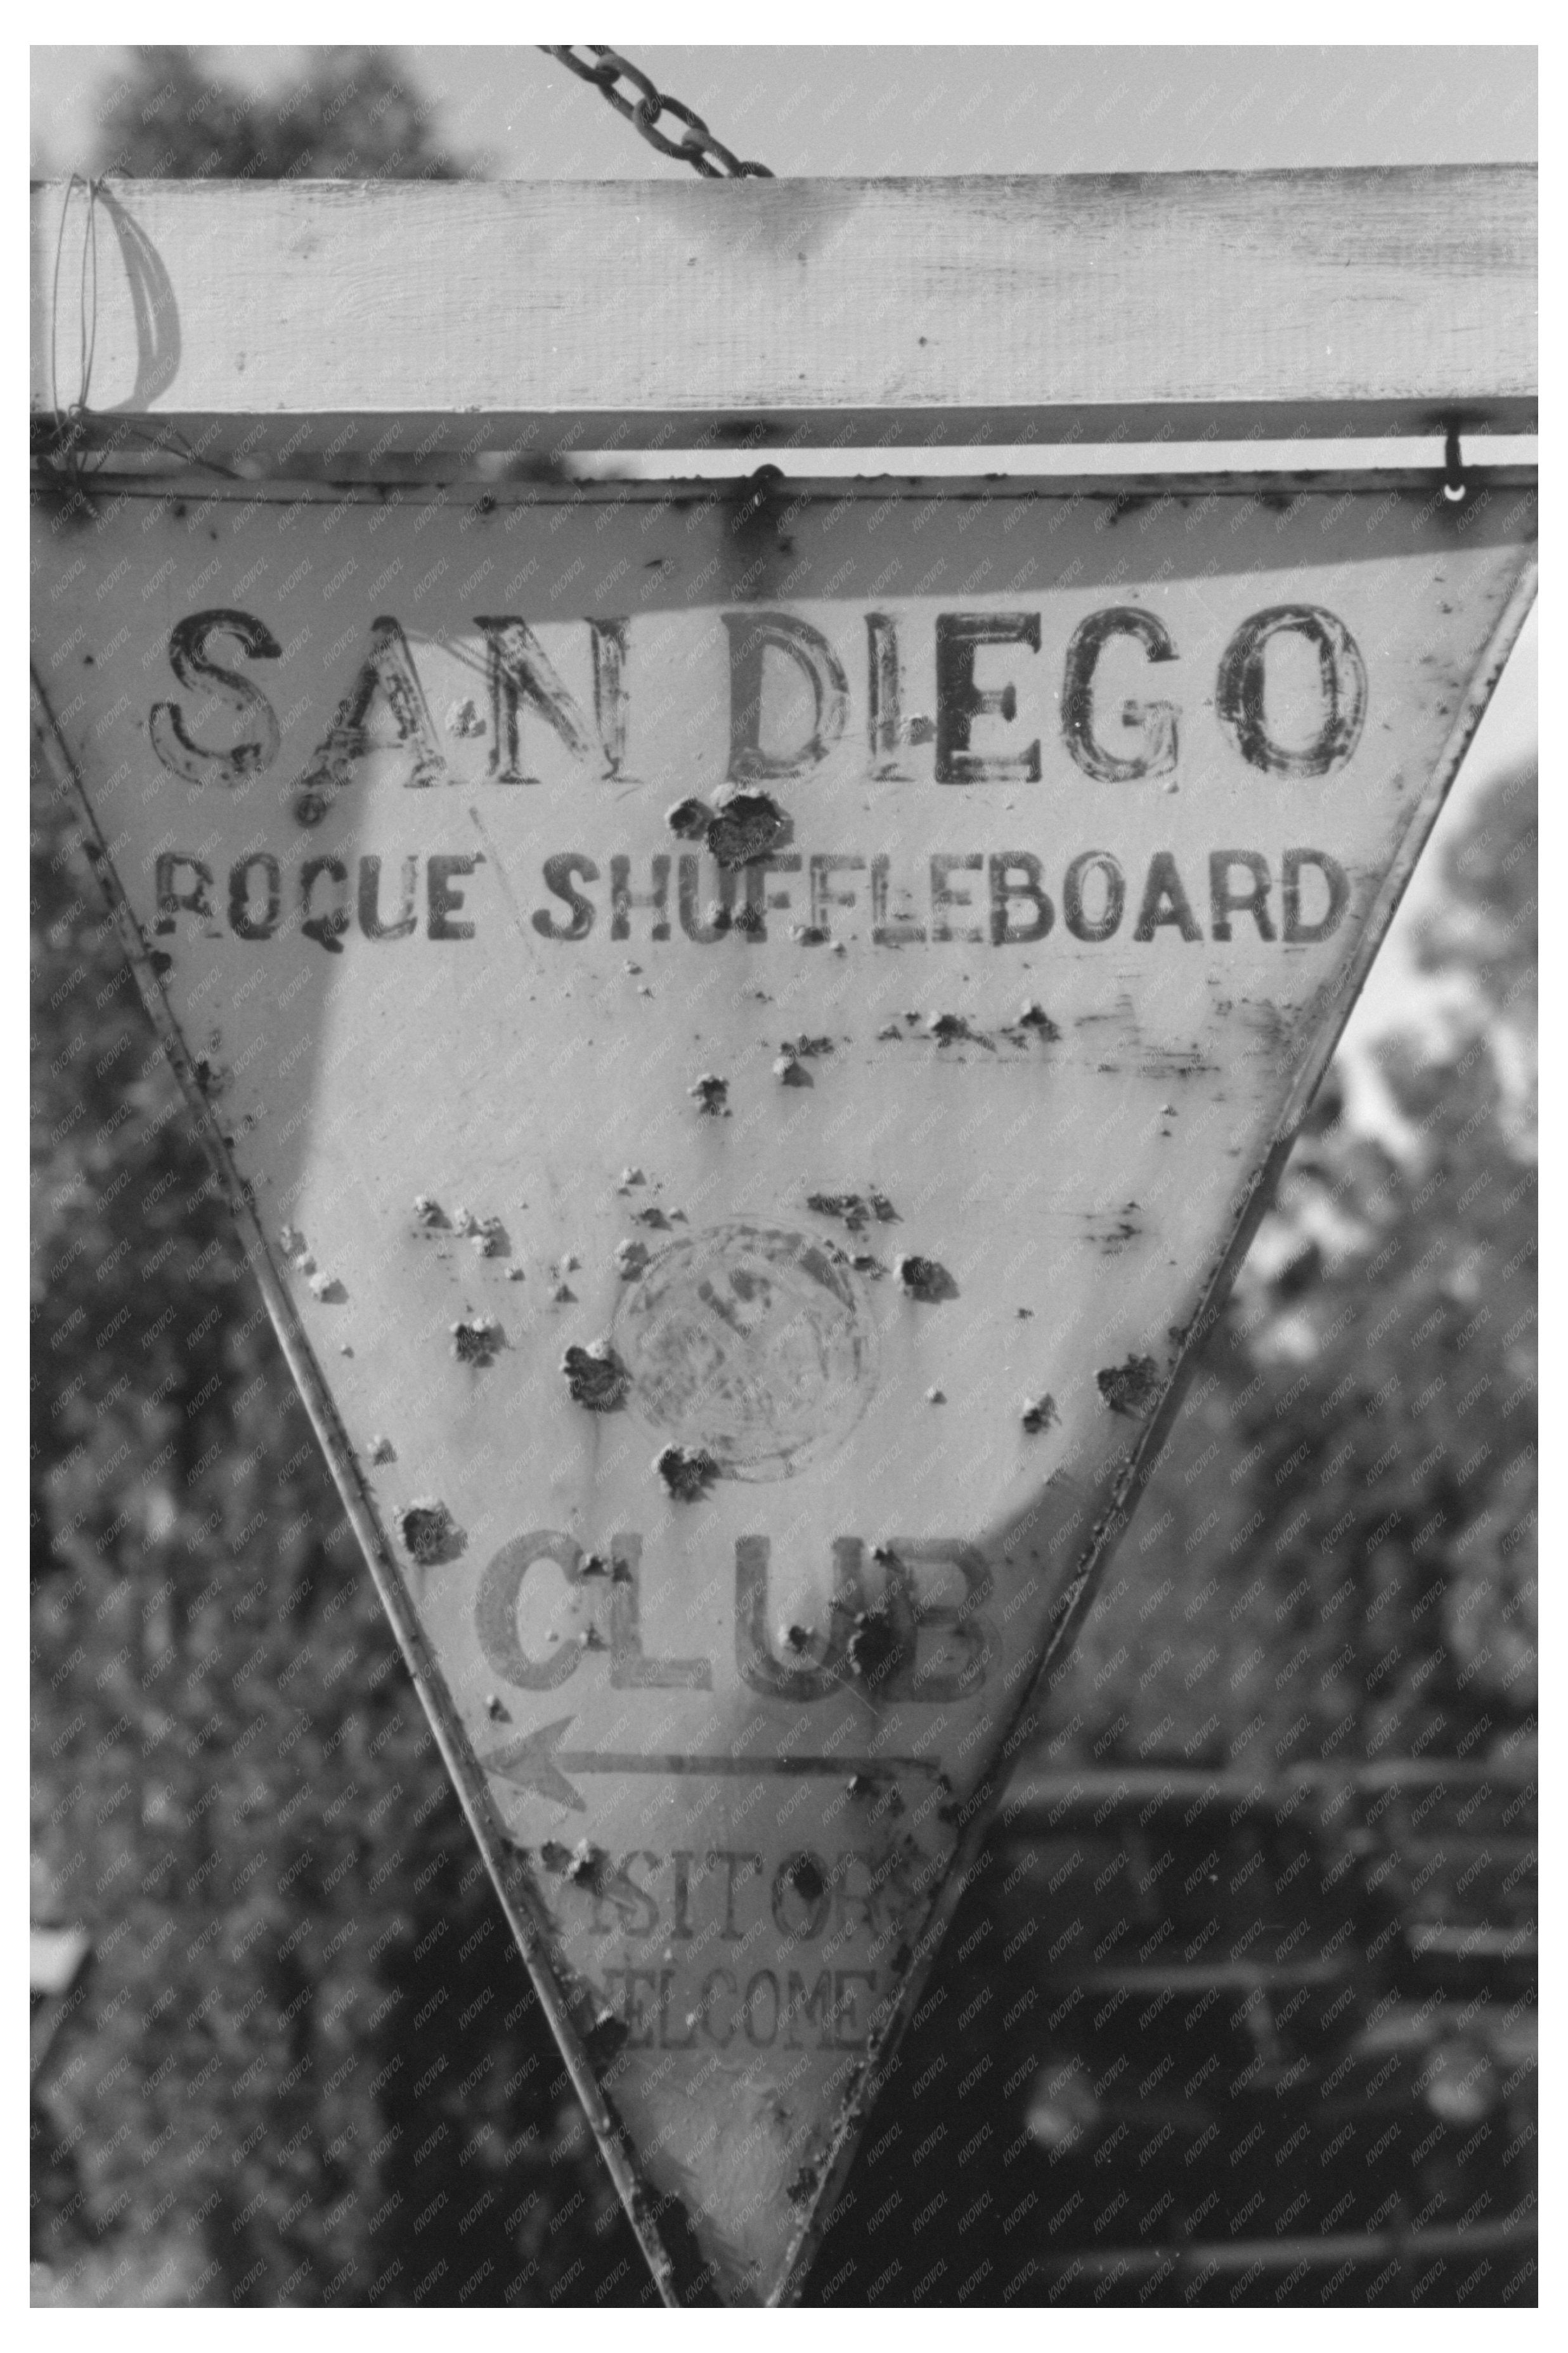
(745, 1036)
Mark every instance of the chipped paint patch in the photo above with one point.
(1132, 1388)
(712, 1095)
(1034, 1017)
(924, 1280)
(857, 1209)
(596, 1375)
(688, 1473)
(746, 828)
(427, 1531)
(475, 1339)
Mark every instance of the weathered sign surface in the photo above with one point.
(747, 1031)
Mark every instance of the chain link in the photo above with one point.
(696, 145)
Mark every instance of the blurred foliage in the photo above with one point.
(305, 2066)
(352, 117)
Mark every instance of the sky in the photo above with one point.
(818, 110)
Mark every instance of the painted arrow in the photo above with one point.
(539, 1764)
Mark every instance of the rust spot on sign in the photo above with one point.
(427, 1530)
(687, 1473)
(856, 1208)
(597, 1377)
(689, 820)
(748, 827)
(1034, 1017)
(924, 1280)
(1129, 1388)
(475, 1339)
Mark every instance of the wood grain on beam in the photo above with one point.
(545, 315)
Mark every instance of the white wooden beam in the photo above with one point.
(265, 317)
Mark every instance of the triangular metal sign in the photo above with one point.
(747, 1029)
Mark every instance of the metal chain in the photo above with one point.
(696, 145)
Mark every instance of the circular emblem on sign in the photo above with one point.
(751, 1342)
